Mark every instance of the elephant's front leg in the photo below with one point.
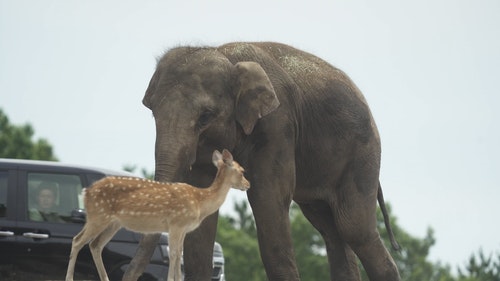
(273, 232)
(270, 197)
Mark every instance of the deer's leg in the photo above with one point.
(89, 232)
(78, 243)
(97, 245)
(175, 244)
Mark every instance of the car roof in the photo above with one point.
(58, 166)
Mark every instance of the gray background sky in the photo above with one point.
(77, 71)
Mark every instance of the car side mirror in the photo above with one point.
(78, 216)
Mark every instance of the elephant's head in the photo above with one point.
(202, 102)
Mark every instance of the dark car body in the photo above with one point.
(34, 249)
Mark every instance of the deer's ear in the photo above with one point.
(255, 96)
(227, 157)
(217, 158)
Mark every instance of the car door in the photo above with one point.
(44, 230)
(7, 223)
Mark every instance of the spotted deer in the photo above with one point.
(148, 206)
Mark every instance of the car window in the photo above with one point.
(3, 194)
(53, 197)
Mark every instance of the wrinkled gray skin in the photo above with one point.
(303, 132)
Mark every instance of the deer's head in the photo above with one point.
(230, 169)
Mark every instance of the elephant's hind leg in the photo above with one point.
(355, 218)
(343, 262)
(376, 260)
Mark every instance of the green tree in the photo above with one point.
(481, 268)
(244, 220)
(17, 142)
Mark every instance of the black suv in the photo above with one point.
(41, 210)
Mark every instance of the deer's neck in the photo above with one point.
(215, 194)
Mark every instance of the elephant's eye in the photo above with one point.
(205, 118)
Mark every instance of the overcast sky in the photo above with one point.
(77, 71)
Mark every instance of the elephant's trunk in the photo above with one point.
(174, 153)
(173, 166)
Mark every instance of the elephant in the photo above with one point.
(302, 130)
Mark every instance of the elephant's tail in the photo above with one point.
(381, 202)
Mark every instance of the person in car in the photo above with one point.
(45, 204)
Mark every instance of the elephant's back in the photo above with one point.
(304, 68)
(325, 100)
(291, 68)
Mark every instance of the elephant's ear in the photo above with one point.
(256, 97)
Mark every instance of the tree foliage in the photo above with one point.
(17, 142)
(481, 268)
